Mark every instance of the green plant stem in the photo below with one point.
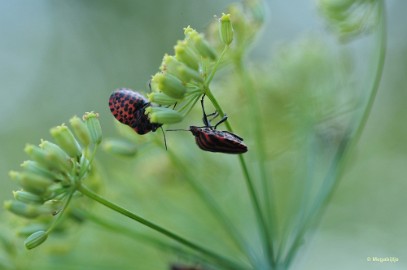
(259, 140)
(60, 214)
(225, 262)
(216, 65)
(347, 143)
(124, 230)
(214, 207)
(252, 192)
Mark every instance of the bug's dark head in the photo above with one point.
(195, 130)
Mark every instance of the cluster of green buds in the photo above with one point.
(51, 177)
(349, 18)
(185, 76)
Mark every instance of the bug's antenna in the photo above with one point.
(165, 139)
(178, 129)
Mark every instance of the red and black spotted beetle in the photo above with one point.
(209, 139)
(128, 107)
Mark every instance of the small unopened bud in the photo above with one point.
(66, 140)
(163, 115)
(170, 85)
(180, 70)
(35, 239)
(120, 147)
(81, 130)
(161, 98)
(186, 55)
(203, 47)
(31, 182)
(27, 197)
(226, 29)
(92, 122)
(23, 209)
(36, 168)
(57, 155)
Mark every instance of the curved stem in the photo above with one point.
(124, 230)
(60, 214)
(346, 144)
(259, 140)
(214, 207)
(252, 192)
(215, 66)
(220, 259)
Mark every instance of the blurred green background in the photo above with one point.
(62, 58)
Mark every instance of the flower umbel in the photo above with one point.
(51, 178)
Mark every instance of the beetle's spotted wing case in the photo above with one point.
(128, 107)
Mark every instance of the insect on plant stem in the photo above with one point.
(264, 231)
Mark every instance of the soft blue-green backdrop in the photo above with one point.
(61, 58)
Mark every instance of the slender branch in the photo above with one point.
(214, 207)
(259, 140)
(346, 144)
(220, 259)
(124, 230)
(215, 66)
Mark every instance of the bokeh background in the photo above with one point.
(62, 58)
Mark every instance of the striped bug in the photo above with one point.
(208, 138)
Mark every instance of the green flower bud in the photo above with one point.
(189, 32)
(226, 29)
(92, 122)
(66, 140)
(203, 47)
(170, 85)
(23, 210)
(163, 115)
(40, 155)
(180, 70)
(186, 55)
(57, 155)
(27, 197)
(35, 239)
(36, 168)
(120, 147)
(161, 98)
(31, 182)
(81, 130)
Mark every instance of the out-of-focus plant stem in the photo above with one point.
(213, 206)
(250, 185)
(225, 262)
(348, 141)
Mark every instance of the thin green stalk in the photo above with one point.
(215, 66)
(346, 144)
(214, 207)
(60, 214)
(218, 258)
(124, 230)
(252, 192)
(259, 140)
